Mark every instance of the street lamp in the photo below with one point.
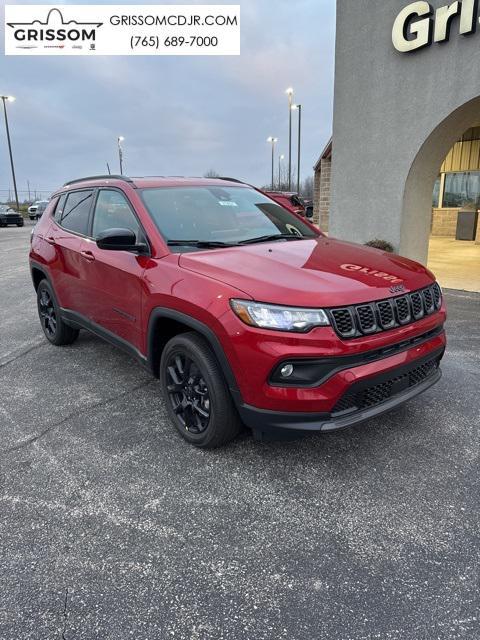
(289, 93)
(120, 139)
(273, 141)
(280, 158)
(6, 99)
(298, 107)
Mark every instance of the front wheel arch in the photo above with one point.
(156, 341)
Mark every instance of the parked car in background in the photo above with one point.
(9, 216)
(246, 312)
(36, 209)
(292, 202)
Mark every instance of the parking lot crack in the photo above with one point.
(65, 615)
(22, 353)
(73, 414)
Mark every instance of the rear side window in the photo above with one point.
(73, 213)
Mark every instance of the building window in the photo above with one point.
(461, 189)
(436, 194)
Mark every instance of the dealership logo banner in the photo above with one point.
(118, 30)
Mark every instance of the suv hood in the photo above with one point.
(317, 272)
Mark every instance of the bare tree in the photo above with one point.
(211, 173)
(306, 188)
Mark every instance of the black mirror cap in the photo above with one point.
(309, 212)
(117, 240)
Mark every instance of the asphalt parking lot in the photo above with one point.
(112, 527)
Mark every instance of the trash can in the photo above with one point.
(467, 225)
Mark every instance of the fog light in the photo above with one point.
(286, 371)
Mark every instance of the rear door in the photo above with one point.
(113, 279)
(70, 225)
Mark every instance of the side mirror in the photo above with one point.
(309, 212)
(119, 240)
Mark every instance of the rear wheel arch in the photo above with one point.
(38, 274)
(165, 323)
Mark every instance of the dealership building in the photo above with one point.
(404, 161)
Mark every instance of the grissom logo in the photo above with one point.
(54, 31)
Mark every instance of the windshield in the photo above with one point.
(211, 214)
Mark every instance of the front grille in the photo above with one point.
(356, 399)
(403, 310)
(428, 300)
(366, 319)
(385, 312)
(437, 295)
(344, 323)
(417, 306)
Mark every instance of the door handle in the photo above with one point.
(50, 240)
(88, 255)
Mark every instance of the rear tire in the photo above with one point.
(54, 328)
(196, 394)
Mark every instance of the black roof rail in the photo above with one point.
(229, 179)
(104, 177)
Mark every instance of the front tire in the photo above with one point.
(196, 394)
(54, 328)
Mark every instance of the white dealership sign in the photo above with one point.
(122, 29)
(418, 25)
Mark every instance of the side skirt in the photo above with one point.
(77, 321)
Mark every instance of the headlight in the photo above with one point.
(272, 316)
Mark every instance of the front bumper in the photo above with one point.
(362, 401)
(11, 219)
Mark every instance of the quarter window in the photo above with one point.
(76, 209)
(60, 206)
(112, 211)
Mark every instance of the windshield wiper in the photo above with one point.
(200, 243)
(276, 236)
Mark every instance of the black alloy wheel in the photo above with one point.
(188, 393)
(197, 397)
(46, 311)
(53, 325)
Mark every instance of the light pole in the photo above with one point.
(298, 107)
(280, 158)
(273, 141)
(289, 93)
(6, 99)
(120, 139)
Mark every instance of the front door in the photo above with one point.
(113, 279)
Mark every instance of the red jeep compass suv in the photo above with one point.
(245, 311)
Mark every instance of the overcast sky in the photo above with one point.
(179, 115)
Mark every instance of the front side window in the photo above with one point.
(76, 209)
(112, 211)
(217, 214)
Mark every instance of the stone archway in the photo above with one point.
(417, 199)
